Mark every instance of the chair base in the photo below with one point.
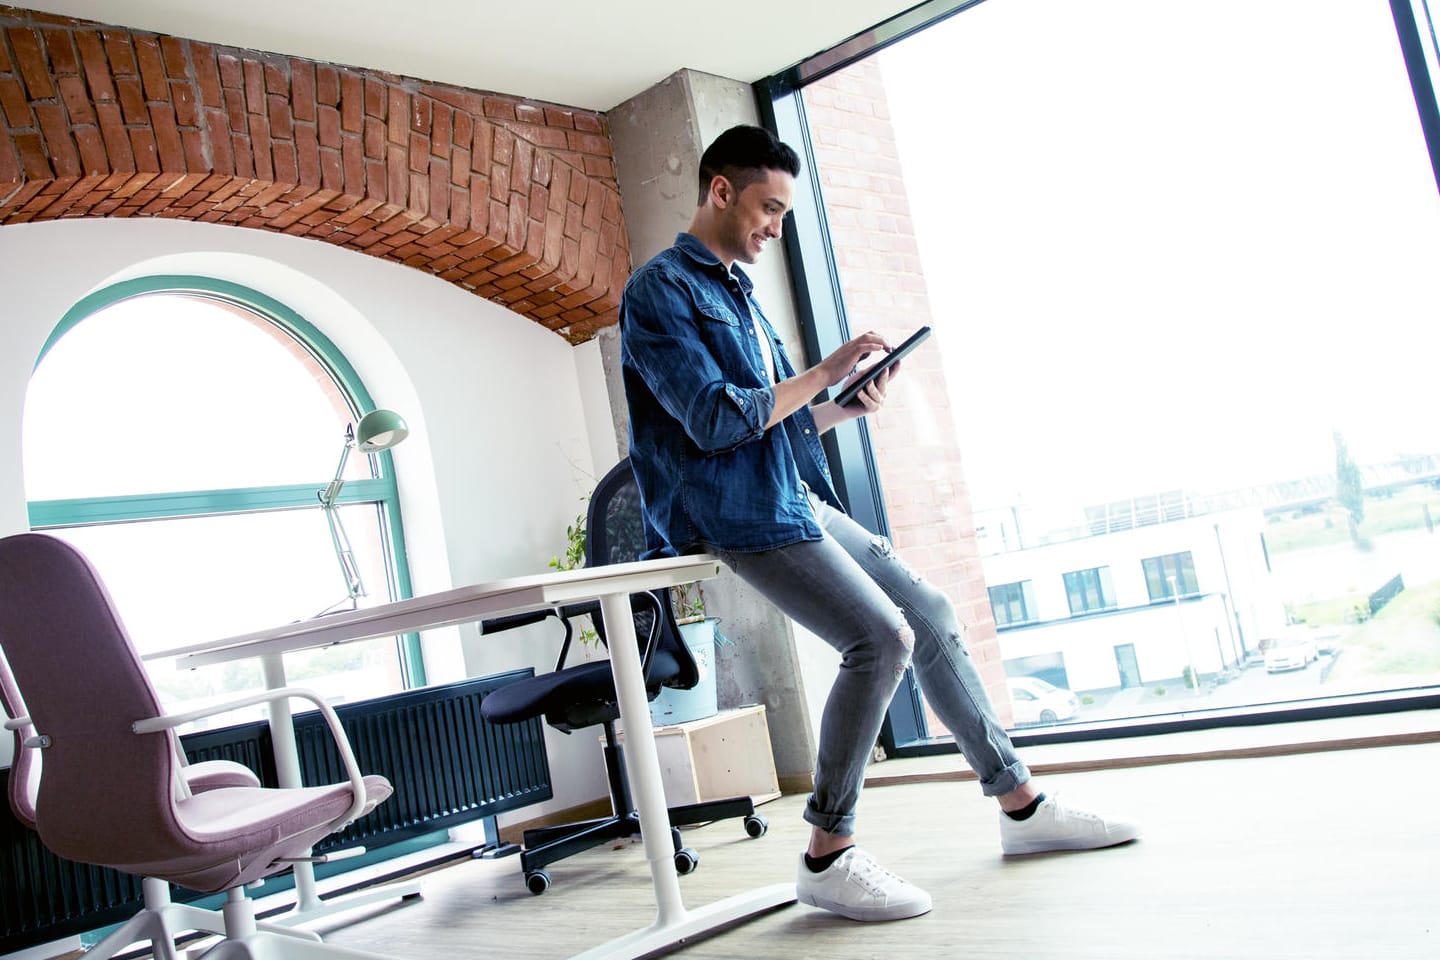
(162, 921)
(246, 939)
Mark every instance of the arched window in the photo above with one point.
(179, 431)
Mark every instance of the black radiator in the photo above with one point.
(447, 764)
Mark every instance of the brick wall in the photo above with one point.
(884, 289)
(509, 198)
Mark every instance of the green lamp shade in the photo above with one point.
(380, 430)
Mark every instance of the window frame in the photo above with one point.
(381, 492)
(821, 315)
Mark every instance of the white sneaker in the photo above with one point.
(1054, 826)
(857, 887)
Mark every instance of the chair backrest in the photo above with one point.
(615, 533)
(25, 766)
(105, 795)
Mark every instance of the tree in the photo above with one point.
(1348, 492)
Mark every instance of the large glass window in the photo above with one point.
(179, 431)
(1089, 590)
(1228, 269)
(1012, 603)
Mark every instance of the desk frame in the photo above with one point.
(612, 585)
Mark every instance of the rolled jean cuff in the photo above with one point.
(838, 824)
(1008, 778)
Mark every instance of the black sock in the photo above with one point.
(1027, 811)
(821, 864)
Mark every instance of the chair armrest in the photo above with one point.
(342, 743)
(18, 723)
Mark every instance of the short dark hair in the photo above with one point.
(741, 154)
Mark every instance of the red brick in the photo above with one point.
(327, 85)
(97, 68)
(524, 158)
(419, 153)
(439, 189)
(482, 146)
(602, 167)
(92, 150)
(132, 99)
(244, 158)
(302, 90)
(397, 173)
(588, 122)
(579, 189)
(152, 69)
(497, 109)
(232, 71)
(260, 148)
(235, 110)
(207, 75)
(352, 153)
(398, 120)
(121, 54)
(459, 166)
(276, 80)
(64, 158)
(283, 156)
(332, 169)
(479, 204)
(142, 144)
(16, 106)
(440, 129)
(254, 86)
(117, 143)
(420, 112)
(352, 102)
(194, 144)
(187, 113)
(10, 171)
(172, 52)
(329, 127)
(504, 148)
(63, 62)
(31, 61)
(559, 117)
(374, 138)
(307, 154)
(376, 178)
(375, 98)
(588, 143)
(33, 157)
(167, 137)
(281, 127)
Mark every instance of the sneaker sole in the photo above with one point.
(1058, 846)
(893, 911)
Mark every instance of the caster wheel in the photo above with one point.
(755, 826)
(537, 881)
(686, 860)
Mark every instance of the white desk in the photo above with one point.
(612, 586)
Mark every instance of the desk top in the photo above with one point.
(460, 605)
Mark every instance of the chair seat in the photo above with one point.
(216, 774)
(239, 832)
(574, 692)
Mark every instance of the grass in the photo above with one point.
(1405, 510)
(1402, 639)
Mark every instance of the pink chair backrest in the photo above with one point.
(25, 767)
(106, 792)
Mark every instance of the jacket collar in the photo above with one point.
(689, 245)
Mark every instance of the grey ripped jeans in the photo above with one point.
(855, 593)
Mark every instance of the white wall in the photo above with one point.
(503, 413)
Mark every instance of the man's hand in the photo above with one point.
(847, 359)
(868, 400)
(794, 393)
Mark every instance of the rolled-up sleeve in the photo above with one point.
(661, 340)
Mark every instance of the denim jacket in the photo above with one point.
(709, 473)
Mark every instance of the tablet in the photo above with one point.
(848, 395)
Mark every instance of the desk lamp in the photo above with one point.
(376, 431)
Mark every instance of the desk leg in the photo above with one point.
(673, 923)
(308, 905)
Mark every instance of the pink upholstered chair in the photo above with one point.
(112, 787)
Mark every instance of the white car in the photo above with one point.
(1037, 701)
(1293, 650)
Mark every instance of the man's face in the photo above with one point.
(754, 216)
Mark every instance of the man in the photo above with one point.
(726, 451)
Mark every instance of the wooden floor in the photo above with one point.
(1318, 855)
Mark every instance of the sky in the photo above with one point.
(1171, 245)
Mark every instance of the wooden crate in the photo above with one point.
(725, 755)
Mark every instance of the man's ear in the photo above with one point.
(722, 192)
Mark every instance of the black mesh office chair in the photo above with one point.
(575, 697)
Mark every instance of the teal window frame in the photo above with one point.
(382, 491)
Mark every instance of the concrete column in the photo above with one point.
(658, 137)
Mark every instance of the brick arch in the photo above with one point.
(513, 200)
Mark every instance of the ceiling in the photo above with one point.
(593, 54)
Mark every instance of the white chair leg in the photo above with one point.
(245, 939)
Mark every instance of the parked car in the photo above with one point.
(1038, 701)
(1292, 650)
